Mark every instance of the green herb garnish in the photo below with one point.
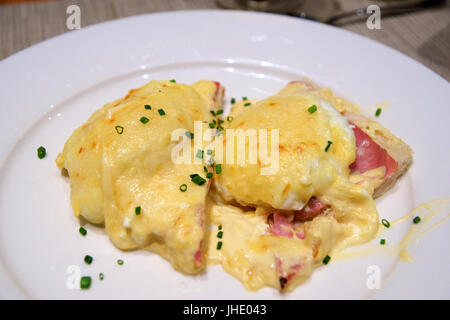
(198, 180)
(41, 152)
(119, 129)
(88, 259)
(200, 154)
(312, 109)
(144, 120)
(189, 135)
(378, 112)
(138, 210)
(83, 231)
(85, 282)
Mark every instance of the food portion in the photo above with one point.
(312, 205)
(121, 172)
(265, 227)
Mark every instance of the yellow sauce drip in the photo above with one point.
(427, 212)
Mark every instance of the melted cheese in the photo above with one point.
(252, 253)
(111, 174)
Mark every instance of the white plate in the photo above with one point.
(50, 89)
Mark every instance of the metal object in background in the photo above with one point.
(399, 7)
(327, 11)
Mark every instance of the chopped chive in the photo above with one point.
(382, 241)
(233, 100)
(137, 210)
(220, 234)
(173, 80)
(189, 135)
(214, 121)
(230, 118)
(220, 111)
(88, 259)
(220, 227)
(198, 180)
(385, 223)
(220, 128)
(183, 187)
(219, 245)
(312, 109)
(211, 125)
(218, 168)
(247, 104)
(144, 120)
(209, 175)
(193, 175)
(244, 98)
(101, 276)
(212, 112)
(205, 169)
(221, 121)
(328, 146)
(416, 220)
(119, 129)
(120, 262)
(200, 154)
(41, 152)
(209, 152)
(378, 112)
(326, 259)
(83, 231)
(161, 112)
(148, 107)
(85, 282)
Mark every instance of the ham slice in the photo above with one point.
(282, 226)
(312, 209)
(220, 92)
(286, 273)
(369, 155)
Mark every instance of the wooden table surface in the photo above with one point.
(424, 36)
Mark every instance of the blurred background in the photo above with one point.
(419, 29)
